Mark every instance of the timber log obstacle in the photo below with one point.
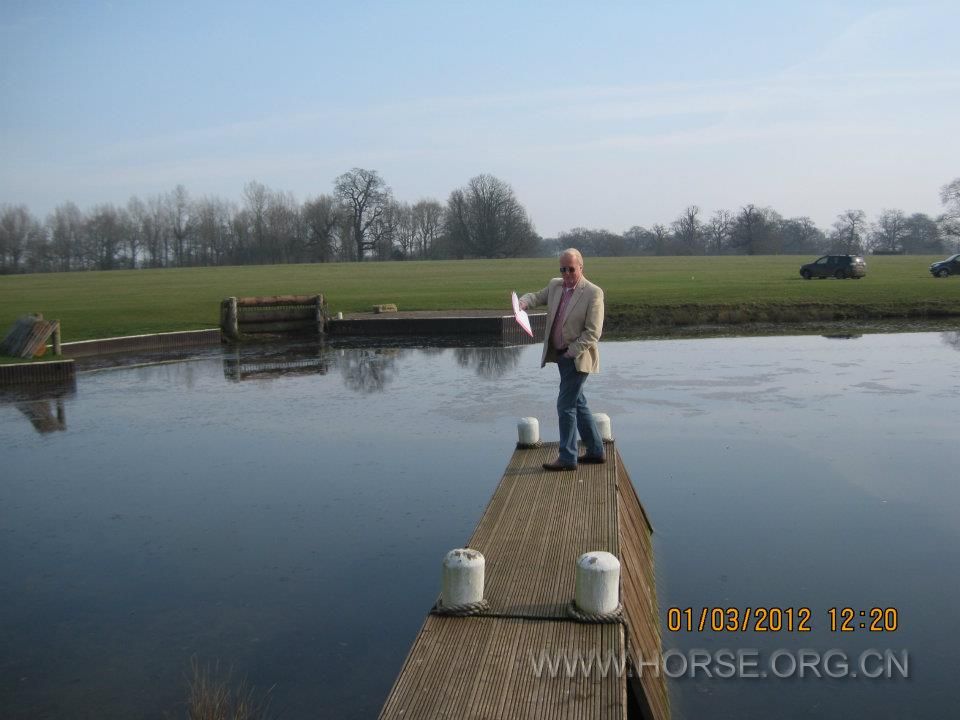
(275, 314)
(519, 647)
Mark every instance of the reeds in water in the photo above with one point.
(214, 695)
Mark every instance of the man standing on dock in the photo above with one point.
(574, 323)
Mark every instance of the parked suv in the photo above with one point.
(838, 266)
(950, 266)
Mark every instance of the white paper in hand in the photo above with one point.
(521, 316)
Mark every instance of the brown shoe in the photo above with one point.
(592, 459)
(558, 467)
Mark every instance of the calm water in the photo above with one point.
(292, 525)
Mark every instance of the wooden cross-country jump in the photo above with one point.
(273, 314)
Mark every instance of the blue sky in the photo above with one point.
(600, 114)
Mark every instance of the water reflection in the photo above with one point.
(364, 369)
(369, 371)
(43, 405)
(238, 366)
(951, 339)
(45, 415)
(490, 362)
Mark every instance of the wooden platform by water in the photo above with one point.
(536, 526)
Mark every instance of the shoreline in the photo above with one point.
(18, 375)
(834, 328)
(682, 322)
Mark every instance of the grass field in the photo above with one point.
(639, 291)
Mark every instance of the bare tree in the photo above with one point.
(284, 231)
(178, 204)
(888, 232)
(17, 226)
(257, 197)
(659, 239)
(404, 230)
(950, 232)
(949, 222)
(343, 232)
(580, 238)
(363, 195)
(137, 214)
(65, 227)
(213, 230)
(106, 230)
(636, 240)
(427, 217)
(241, 231)
(750, 233)
(384, 232)
(801, 236)
(922, 236)
(610, 244)
(950, 197)
(321, 216)
(596, 243)
(718, 231)
(849, 232)
(38, 255)
(688, 235)
(270, 227)
(485, 219)
(156, 232)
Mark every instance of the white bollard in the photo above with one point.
(462, 577)
(528, 430)
(339, 316)
(597, 584)
(603, 426)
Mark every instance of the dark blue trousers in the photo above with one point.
(574, 415)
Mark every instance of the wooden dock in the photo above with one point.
(536, 526)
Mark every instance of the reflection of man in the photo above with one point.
(574, 323)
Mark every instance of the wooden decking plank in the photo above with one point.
(548, 520)
(452, 674)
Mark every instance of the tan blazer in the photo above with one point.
(581, 327)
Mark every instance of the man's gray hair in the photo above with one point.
(575, 253)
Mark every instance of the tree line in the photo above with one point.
(361, 220)
(763, 231)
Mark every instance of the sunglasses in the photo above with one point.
(567, 269)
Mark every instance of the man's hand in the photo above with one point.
(523, 304)
(569, 354)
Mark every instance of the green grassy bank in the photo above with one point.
(639, 291)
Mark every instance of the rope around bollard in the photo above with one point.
(465, 610)
(614, 616)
